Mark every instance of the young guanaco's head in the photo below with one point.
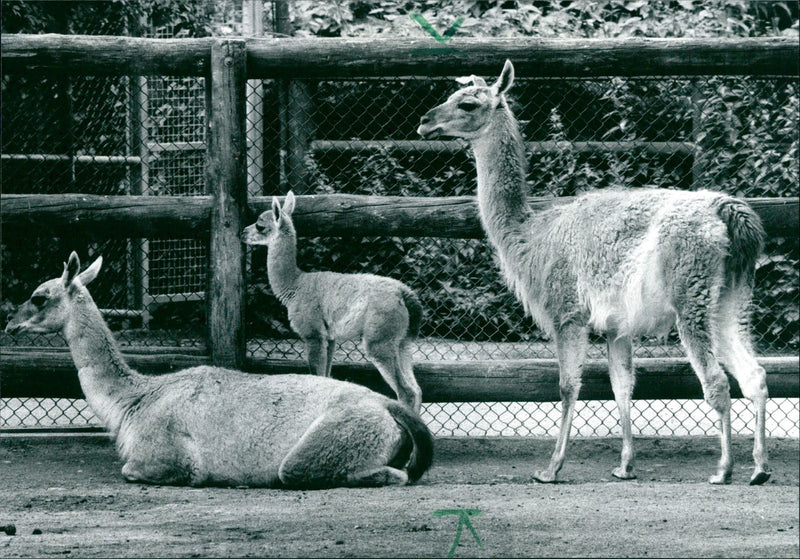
(468, 111)
(271, 222)
(50, 304)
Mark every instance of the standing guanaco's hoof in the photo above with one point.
(545, 477)
(759, 478)
(723, 478)
(621, 473)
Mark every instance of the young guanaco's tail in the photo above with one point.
(414, 308)
(422, 451)
(746, 234)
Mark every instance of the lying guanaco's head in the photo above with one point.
(50, 304)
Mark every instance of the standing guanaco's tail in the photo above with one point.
(422, 452)
(414, 308)
(746, 235)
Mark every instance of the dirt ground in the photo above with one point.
(66, 497)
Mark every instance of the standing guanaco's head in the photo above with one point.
(468, 111)
(271, 222)
(50, 304)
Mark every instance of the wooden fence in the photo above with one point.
(227, 64)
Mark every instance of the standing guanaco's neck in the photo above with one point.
(282, 269)
(500, 164)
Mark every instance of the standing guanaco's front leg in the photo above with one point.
(329, 362)
(316, 355)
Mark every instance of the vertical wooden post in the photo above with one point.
(295, 106)
(299, 134)
(226, 175)
(138, 176)
(280, 10)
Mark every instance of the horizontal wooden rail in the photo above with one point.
(451, 146)
(115, 216)
(51, 374)
(105, 55)
(300, 58)
(333, 215)
(60, 158)
(365, 57)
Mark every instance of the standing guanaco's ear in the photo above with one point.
(505, 80)
(276, 209)
(88, 275)
(288, 204)
(472, 79)
(71, 269)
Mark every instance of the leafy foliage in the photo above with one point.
(775, 314)
(548, 18)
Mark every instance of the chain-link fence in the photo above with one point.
(733, 134)
(146, 135)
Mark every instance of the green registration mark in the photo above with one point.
(435, 34)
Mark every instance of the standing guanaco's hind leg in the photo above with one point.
(407, 378)
(716, 390)
(620, 369)
(571, 343)
(736, 354)
(385, 355)
(348, 447)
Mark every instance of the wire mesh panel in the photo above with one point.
(600, 418)
(129, 135)
(110, 136)
(493, 419)
(174, 146)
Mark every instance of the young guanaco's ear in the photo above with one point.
(276, 209)
(288, 204)
(71, 269)
(88, 275)
(505, 80)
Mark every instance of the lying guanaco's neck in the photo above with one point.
(108, 383)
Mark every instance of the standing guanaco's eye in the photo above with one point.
(468, 106)
(38, 300)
